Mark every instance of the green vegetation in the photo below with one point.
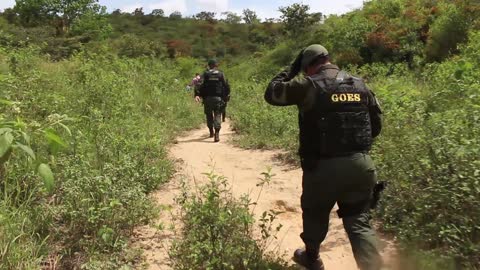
(93, 99)
(102, 125)
(218, 230)
(132, 34)
(429, 153)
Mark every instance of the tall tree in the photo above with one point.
(231, 17)
(206, 16)
(250, 16)
(117, 12)
(296, 16)
(158, 12)
(138, 12)
(63, 12)
(71, 10)
(32, 12)
(93, 24)
(10, 15)
(175, 15)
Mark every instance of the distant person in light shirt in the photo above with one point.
(197, 80)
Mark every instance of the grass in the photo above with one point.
(117, 117)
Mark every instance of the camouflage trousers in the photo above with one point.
(348, 182)
(213, 108)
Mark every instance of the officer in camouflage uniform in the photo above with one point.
(338, 118)
(213, 90)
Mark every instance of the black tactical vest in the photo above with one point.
(339, 122)
(213, 84)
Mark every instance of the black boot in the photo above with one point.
(217, 135)
(211, 132)
(308, 261)
(223, 117)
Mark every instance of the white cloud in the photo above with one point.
(327, 7)
(333, 7)
(262, 13)
(131, 8)
(212, 5)
(169, 6)
(267, 13)
(6, 4)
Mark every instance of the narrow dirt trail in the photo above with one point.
(197, 154)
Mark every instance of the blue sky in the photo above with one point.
(264, 8)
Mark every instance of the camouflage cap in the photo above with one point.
(312, 52)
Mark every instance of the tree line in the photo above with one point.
(412, 31)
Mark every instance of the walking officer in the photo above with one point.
(338, 118)
(213, 89)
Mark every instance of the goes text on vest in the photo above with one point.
(347, 97)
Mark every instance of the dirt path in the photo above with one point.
(197, 154)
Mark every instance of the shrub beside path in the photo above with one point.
(197, 154)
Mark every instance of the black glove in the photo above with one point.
(296, 66)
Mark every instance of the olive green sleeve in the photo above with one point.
(375, 114)
(282, 91)
(196, 92)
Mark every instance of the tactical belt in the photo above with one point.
(333, 155)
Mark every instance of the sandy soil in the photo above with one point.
(197, 154)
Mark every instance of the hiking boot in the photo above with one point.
(301, 257)
(217, 135)
(211, 132)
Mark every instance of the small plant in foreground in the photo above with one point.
(218, 230)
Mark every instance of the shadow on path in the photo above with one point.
(205, 139)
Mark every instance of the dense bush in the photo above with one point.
(429, 153)
(217, 231)
(108, 121)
